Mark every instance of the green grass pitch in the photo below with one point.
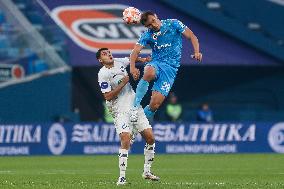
(176, 171)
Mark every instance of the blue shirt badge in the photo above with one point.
(104, 85)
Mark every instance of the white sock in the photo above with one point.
(149, 152)
(123, 156)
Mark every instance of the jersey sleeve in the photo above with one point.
(179, 26)
(104, 82)
(143, 40)
(125, 61)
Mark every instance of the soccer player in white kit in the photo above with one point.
(119, 95)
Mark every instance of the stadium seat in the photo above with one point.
(2, 18)
(40, 66)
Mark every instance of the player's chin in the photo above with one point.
(156, 29)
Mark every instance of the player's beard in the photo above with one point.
(109, 63)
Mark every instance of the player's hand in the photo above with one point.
(125, 80)
(197, 56)
(135, 73)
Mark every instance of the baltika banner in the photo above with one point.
(100, 138)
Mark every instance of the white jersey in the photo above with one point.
(109, 79)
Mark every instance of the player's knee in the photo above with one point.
(125, 144)
(154, 105)
(125, 140)
(148, 77)
(149, 73)
(150, 139)
(149, 136)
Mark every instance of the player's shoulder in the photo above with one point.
(168, 23)
(103, 72)
(175, 23)
(170, 20)
(146, 33)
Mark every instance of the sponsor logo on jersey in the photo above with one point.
(95, 26)
(124, 126)
(155, 35)
(119, 81)
(157, 46)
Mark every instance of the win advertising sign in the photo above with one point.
(99, 138)
(96, 26)
(92, 24)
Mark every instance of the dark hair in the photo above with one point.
(144, 16)
(98, 54)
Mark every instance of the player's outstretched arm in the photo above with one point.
(194, 41)
(133, 57)
(113, 93)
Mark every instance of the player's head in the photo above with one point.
(104, 56)
(205, 107)
(172, 98)
(150, 20)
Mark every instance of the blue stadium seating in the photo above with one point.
(233, 17)
(52, 34)
(13, 49)
(270, 16)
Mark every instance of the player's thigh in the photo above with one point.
(121, 123)
(142, 122)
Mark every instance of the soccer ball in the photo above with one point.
(131, 15)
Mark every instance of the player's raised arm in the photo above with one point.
(194, 41)
(113, 93)
(133, 57)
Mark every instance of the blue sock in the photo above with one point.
(149, 113)
(141, 90)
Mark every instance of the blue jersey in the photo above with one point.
(166, 44)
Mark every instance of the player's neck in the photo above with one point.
(109, 65)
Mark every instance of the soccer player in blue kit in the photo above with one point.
(165, 40)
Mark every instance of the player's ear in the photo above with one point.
(100, 60)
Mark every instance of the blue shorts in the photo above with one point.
(165, 76)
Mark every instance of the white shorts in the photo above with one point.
(122, 122)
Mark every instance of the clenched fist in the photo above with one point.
(197, 56)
